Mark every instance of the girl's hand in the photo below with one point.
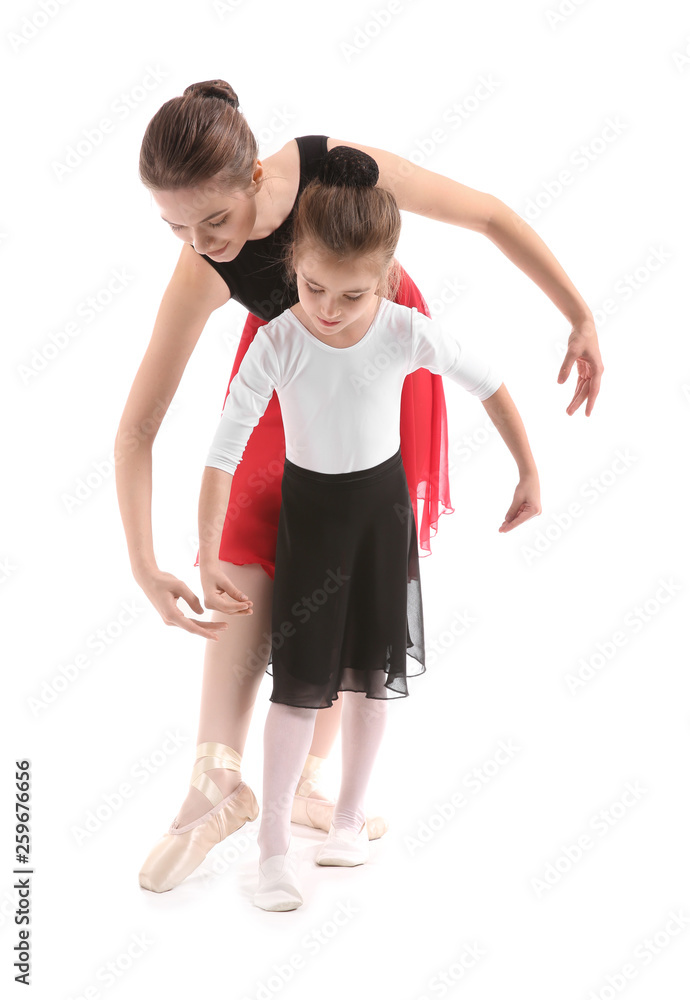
(526, 503)
(583, 347)
(221, 594)
(164, 590)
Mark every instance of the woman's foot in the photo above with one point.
(316, 811)
(186, 844)
(196, 803)
(182, 849)
(313, 808)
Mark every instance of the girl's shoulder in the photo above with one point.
(405, 319)
(280, 329)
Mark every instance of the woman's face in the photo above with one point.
(214, 220)
(336, 295)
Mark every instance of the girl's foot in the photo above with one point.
(344, 847)
(278, 887)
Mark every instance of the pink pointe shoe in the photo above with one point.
(344, 847)
(318, 813)
(183, 848)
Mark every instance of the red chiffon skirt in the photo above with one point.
(251, 523)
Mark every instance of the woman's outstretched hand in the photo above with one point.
(583, 349)
(526, 503)
(164, 590)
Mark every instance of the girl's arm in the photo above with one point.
(250, 393)
(220, 593)
(437, 197)
(194, 291)
(433, 347)
(507, 421)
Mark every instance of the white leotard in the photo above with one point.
(340, 405)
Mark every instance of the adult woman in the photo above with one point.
(232, 210)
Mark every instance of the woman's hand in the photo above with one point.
(221, 594)
(164, 590)
(583, 348)
(526, 503)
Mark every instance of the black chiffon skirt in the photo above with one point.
(347, 602)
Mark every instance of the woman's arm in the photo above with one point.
(507, 421)
(193, 293)
(437, 197)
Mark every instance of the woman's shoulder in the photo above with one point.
(285, 159)
(298, 156)
(289, 170)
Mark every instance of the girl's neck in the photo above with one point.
(350, 336)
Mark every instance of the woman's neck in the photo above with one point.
(276, 197)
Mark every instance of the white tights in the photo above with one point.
(287, 738)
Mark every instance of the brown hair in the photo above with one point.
(196, 137)
(343, 214)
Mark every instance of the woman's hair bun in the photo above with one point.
(213, 88)
(345, 166)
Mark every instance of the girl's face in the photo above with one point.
(213, 220)
(340, 299)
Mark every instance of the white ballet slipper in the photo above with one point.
(344, 847)
(279, 887)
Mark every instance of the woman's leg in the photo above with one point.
(232, 675)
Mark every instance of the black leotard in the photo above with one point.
(256, 277)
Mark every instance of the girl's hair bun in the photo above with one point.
(214, 88)
(345, 166)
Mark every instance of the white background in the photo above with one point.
(436, 886)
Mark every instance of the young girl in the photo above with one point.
(347, 607)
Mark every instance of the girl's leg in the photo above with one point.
(325, 732)
(232, 676)
(287, 735)
(363, 726)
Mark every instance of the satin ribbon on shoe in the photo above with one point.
(183, 848)
(210, 756)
